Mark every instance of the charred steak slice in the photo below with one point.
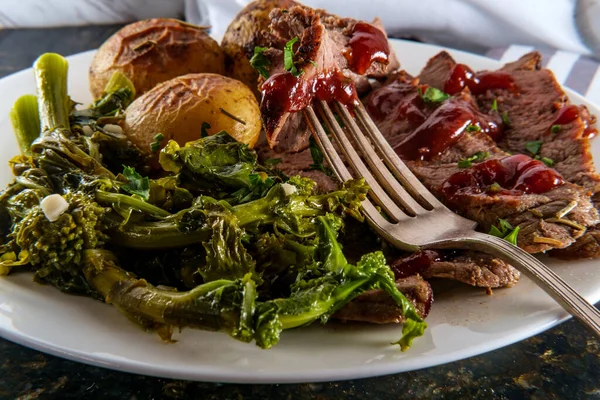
(331, 59)
(443, 134)
(470, 267)
(376, 306)
(539, 117)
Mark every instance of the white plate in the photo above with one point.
(464, 321)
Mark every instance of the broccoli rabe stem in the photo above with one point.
(26, 122)
(51, 81)
(210, 306)
(122, 200)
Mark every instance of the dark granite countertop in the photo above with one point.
(561, 363)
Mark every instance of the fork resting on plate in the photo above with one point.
(416, 218)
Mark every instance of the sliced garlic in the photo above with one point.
(87, 131)
(113, 128)
(54, 206)
(288, 189)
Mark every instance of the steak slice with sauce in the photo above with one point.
(336, 56)
(432, 139)
(538, 110)
(470, 267)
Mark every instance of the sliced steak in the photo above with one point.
(538, 110)
(297, 163)
(433, 148)
(377, 307)
(470, 267)
(334, 57)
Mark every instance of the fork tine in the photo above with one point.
(353, 159)
(383, 174)
(394, 163)
(375, 219)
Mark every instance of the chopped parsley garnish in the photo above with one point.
(288, 58)
(318, 158)
(505, 231)
(505, 118)
(259, 62)
(204, 129)
(433, 95)
(473, 128)
(495, 105)
(555, 129)
(533, 147)
(313, 63)
(271, 162)
(137, 184)
(155, 145)
(548, 161)
(468, 162)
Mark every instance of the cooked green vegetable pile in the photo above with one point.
(241, 248)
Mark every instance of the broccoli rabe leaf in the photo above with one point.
(226, 256)
(329, 285)
(218, 166)
(137, 184)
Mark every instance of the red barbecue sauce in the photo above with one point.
(367, 45)
(283, 93)
(566, 115)
(444, 127)
(516, 175)
(570, 113)
(415, 263)
(462, 76)
(399, 101)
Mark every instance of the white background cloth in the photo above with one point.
(474, 25)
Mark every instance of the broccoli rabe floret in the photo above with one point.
(54, 249)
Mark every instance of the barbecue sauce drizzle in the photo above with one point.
(516, 175)
(367, 45)
(283, 93)
(462, 76)
(439, 132)
(570, 113)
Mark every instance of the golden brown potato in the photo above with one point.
(153, 51)
(178, 108)
(243, 34)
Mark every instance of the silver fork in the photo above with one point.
(413, 226)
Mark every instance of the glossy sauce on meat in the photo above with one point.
(415, 263)
(515, 175)
(462, 76)
(570, 113)
(397, 100)
(367, 45)
(284, 93)
(439, 132)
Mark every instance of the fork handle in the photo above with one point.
(543, 276)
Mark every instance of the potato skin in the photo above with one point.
(177, 108)
(243, 34)
(153, 51)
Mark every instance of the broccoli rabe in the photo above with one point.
(243, 249)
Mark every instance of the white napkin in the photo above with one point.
(475, 25)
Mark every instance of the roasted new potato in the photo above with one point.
(179, 107)
(243, 34)
(153, 51)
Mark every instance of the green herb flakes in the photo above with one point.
(533, 147)
(468, 162)
(433, 95)
(505, 231)
(259, 62)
